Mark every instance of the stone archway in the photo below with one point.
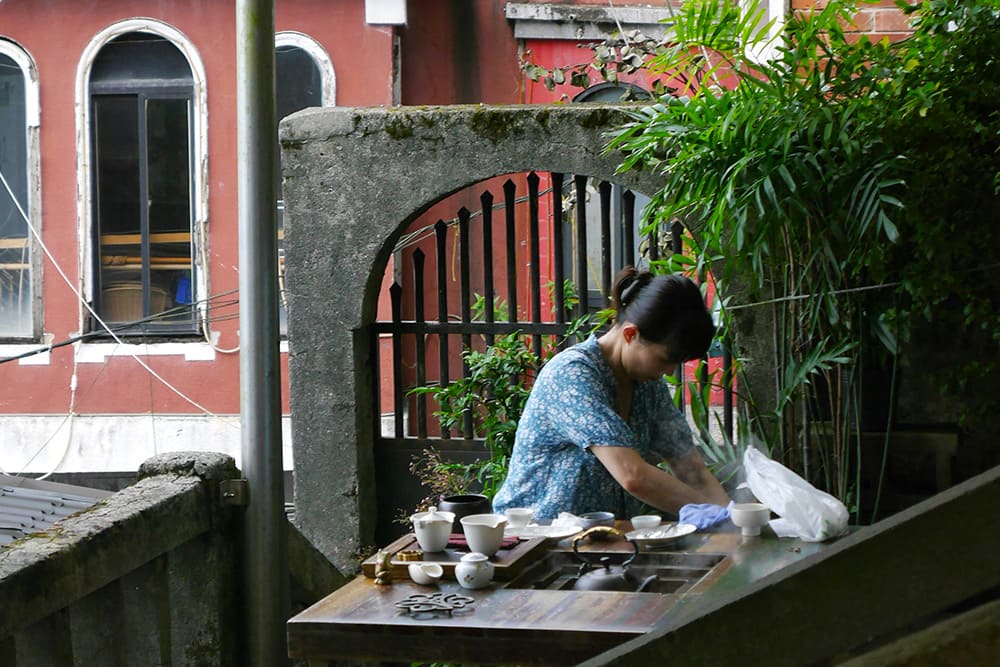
(354, 180)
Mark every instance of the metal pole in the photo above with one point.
(265, 560)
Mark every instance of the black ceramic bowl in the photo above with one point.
(465, 505)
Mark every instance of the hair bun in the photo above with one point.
(632, 286)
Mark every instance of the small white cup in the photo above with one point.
(425, 574)
(518, 517)
(645, 521)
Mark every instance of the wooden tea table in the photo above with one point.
(361, 622)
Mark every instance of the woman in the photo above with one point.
(600, 416)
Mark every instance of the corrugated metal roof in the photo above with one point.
(28, 505)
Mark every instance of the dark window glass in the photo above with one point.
(142, 188)
(139, 59)
(298, 83)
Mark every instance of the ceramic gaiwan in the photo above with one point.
(432, 528)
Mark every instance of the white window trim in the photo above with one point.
(199, 233)
(33, 207)
(23, 59)
(319, 55)
(778, 11)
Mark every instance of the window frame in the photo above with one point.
(33, 206)
(142, 95)
(198, 119)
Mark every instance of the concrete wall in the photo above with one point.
(149, 576)
(354, 179)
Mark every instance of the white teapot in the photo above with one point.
(432, 528)
(474, 570)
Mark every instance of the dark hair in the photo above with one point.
(667, 309)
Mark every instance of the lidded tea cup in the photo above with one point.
(432, 528)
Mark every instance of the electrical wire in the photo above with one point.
(97, 318)
(125, 326)
(203, 253)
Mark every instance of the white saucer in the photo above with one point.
(554, 533)
(662, 534)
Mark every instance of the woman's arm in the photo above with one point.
(691, 483)
(691, 470)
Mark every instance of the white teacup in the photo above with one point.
(645, 521)
(425, 574)
(518, 517)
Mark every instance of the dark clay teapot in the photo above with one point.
(608, 577)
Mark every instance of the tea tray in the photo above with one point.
(507, 563)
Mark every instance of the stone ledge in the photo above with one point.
(209, 466)
(47, 571)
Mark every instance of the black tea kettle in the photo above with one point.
(608, 577)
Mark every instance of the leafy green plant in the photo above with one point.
(789, 193)
(818, 182)
(492, 393)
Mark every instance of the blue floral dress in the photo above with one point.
(571, 409)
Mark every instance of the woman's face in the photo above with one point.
(645, 360)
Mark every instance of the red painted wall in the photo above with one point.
(55, 33)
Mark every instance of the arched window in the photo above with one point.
(141, 95)
(304, 77)
(18, 198)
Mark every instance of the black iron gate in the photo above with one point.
(515, 250)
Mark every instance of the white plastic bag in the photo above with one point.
(805, 512)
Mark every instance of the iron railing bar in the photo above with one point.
(654, 245)
(605, 191)
(441, 232)
(474, 328)
(557, 250)
(702, 369)
(420, 341)
(677, 246)
(486, 200)
(395, 294)
(466, 300)
(580, 185)
(628, 211)
(452, 445)
(511, 237)
(534, 269)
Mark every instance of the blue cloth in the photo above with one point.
(571, 409)
(704, 515)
